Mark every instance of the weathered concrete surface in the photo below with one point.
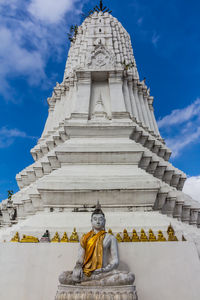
(167, 271)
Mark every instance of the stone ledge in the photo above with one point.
(78, 292)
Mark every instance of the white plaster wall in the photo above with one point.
(164, 271)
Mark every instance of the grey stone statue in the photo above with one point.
(97, 264)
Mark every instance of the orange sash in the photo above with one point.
(93, 245)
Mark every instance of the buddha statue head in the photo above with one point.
(98, 218)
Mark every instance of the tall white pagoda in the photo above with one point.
(101, 143)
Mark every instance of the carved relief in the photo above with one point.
(101, 58)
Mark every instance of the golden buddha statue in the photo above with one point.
(171, 234)
(110, 231)
(143, 236)
(29, 239)
(135, 237)
(161, 237)
(56, 238)
(74, 237)
(119, 238)
(172, 237)
(126, 237)
(15, 239)
(64, 238)
(152, 237)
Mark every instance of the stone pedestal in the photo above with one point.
(78, 292)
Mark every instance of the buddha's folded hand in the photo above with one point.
(77, 273)
(98, 271)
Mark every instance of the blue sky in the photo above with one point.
(33, 51)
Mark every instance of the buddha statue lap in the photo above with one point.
(98, 260)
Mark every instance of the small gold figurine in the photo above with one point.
(143, 236)
(171, 234)
(15, 239)
(135, 237)
(74, 237)
(110, 231)
(152, 237)
(119, 238)
(29, 239)
(161, 237)
(126, 237)
(56, 238)
(64, 238)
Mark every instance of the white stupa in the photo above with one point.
(101, 142)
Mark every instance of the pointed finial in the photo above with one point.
(101, 5)
(101, 8)
(98, 209)
(98, 206)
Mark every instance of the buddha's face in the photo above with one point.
(98, 222)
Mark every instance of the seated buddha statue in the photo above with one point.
(45, 238)
(161, 237)
(98, 258)
(119, 238)
(135, 237)
(64, 238)
(152, 237)
(74, 237)
(15, 238)
(56, 238)
(143, 236)
(171, 234)
(126, 237)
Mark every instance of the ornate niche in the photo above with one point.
(101, 58)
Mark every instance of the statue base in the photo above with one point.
(78, 292)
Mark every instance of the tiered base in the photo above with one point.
(78, 292)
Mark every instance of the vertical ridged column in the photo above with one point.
(127, 98)
(83, 93)
(147, 110)
(132, 98)
(115, 85)
(135, 91)
(155, 126)
(48, 126)
(141, 98)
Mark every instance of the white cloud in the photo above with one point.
(192, 187)
(140, 21)
(179, 116)
(181, 128)
(50, 11)
(179, 142)
(31, 33)
(8, 136)
(155, 39)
